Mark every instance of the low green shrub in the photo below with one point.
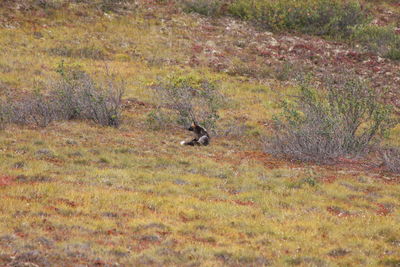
(203, 7)
(158, 119)
(379, 39)
(334, 18)
(192, 99)
(115, 5)
(320, 17)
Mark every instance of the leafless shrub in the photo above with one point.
(158, 119)
(192, 99)
(34, 108)
(90, 52)
(80, 97)
(74, 96)
(391, 159)
(102, 104)
(41, 109)
(4, 114)
(233, 128)
(344, 119)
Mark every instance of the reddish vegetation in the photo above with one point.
(238, 157)
(67, 202)
(307, 53)
(113, 232)
(21, 234)
(6, 180)
(52, 208)
(55, 161)
(236, 202)
(383, 210)
(244, 203)
(357, 165)
(338, 211)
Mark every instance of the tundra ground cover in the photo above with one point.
(76, 193)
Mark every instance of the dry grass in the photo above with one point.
(126, 196)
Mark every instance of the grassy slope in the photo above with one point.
(93, 195)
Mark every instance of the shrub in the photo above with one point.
(102, 104)
(34, 108)
(4, 114)
(47, 3)
(90, 52)
(192, 99)
(80, 97)
(342, 120)
(111, 5)
(391, 159)
(321, 17)
(30, 108)
(203, 7)
(74, 96)
(380, 39)
(157, 119)
(233, 129)
(394, 54)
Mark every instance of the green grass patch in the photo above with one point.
(380, 39)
